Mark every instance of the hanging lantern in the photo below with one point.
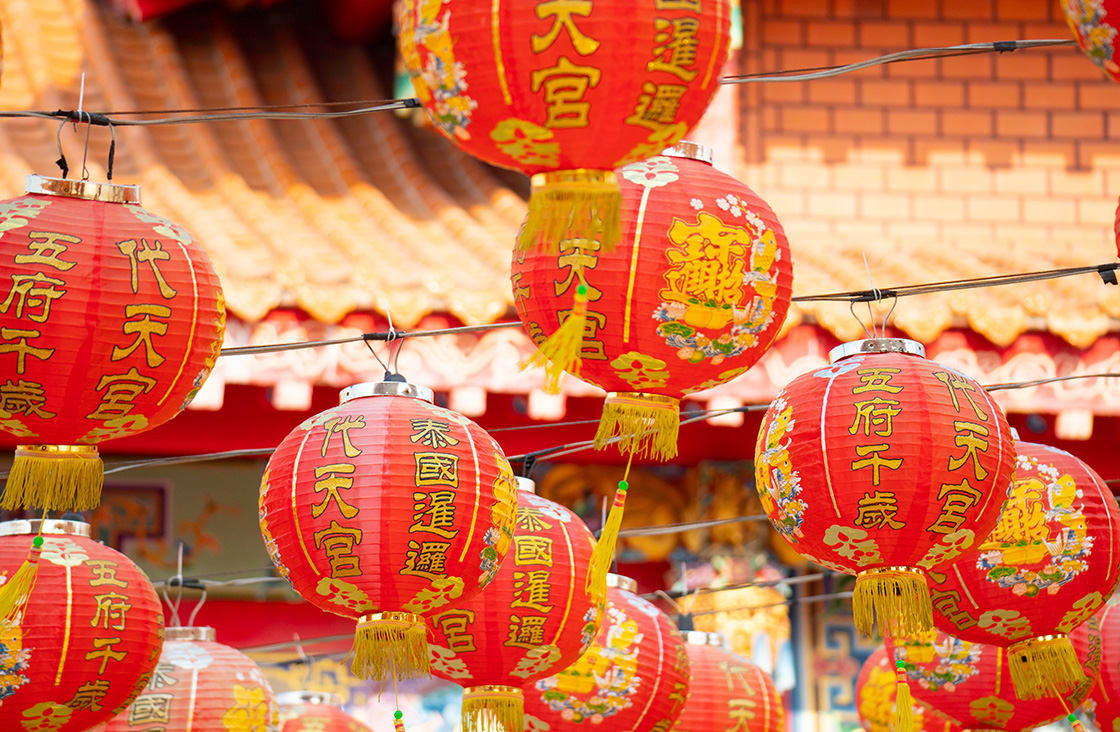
(875, 700)
(1094, 25)
(537, 617)
(201, 685)
(884, 465)
(694, 294)
(970, 684)
(728, 693)
(315, 711)
(1103, 704)
(385, 509)
(85, 641)
(111, 318)
(634, 677)
(1047, 566)
(565, 92)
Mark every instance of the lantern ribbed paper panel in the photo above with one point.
(727, 692)
(970, 684)
(201, 685)
(537, 617)
(565, 89)
(111, 318)
(309, 711)
(634, 677)
(88, 636)
(875, 700)
(1094, 24)
(385, 509)
(1049, 564)
(884, 465)
(693, 295)
(1103, 704)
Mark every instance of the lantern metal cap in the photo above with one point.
(386, 388)
(526, 484)
(690, 150)
(85, 189)
(189, 633)
(51, 527)
(700, 638)
(622, 583)
(876, 345)
(306, 696)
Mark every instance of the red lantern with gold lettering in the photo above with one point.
(200, 684)
(1094, 25)
(1047, 566)
(728, 693)
(111, 318)
(85, 642)
(565, 91)
(884, 465)
(536, 618)
(694, 294)
(315, 711)
(875, 700)
(1103, 704)
(635, 675)
(385, 509)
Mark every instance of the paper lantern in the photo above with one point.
(200, 684)
(88, 637)
(634, 677)
(565, 91)
(315, 711)
(1047, 566)
(537, 617)
(111, 318)
(693, 295)
(1093, 25)
(728, 693)
(875, 700)
(970, 685)
(884, 465)
(385, 509)
(1103, 704)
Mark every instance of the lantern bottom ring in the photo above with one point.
(640, 424)
(894, 598)
(493, 708)
(1044, 666)
(391, 645)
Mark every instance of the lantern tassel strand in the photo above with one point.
(896, 597)
(15, 592)
(493, 709)
(1039, 666)
(643, 424)
(904, 703)
(391, 646)
(603, 555)
(560, 352)
(572, 204)
(54, 477)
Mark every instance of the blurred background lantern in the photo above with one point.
(111, 320)
(86, 641)
(536, 618)
(634, 677)
(875, 700)
(1047, 566)
(727, 693)
(200, 684)
(386, 509)
(565, 92)
(1092, 23)
(694, 294)
(744, 616)
(884, 465)
(315, 711)
(1103, 704)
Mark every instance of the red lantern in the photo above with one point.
(315, 711)
(693, 295)
(87, 639)
(634, 677)
(728, 693)
(385, 509)
(201, 685)
(1103, 704)
(111, 319)
(565, 91)
(970, 685)
(884, 465)
(1093, 25)
(536, 618)
(875, 700)
(1047, 566)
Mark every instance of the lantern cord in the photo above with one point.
(374, 336)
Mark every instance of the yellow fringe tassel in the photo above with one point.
(572, 204)
(15, 592)
(602, 556)
(903, 702)
(391, 646)
(1041, 666)
(896, 597)
(493, 709)
(560, 352)
(54, 477)
(645, 425)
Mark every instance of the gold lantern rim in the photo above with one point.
(876, 345)
(691, 151)
(47, 527)
(527, 485)
(308, 696)
(190, 633)
(702, 638)
(386, 388)
(86, 190)
(622, 582)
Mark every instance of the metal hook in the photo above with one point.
(112, 152)
(852, 309)
(894, 304)
(61, 162)
(85, 150)
(198, 606)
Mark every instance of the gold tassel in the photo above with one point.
(493, 709)
(903, 702)
(15, 592)
(560, 352)
(572, 204)
(896, 597)
(1045, 665)
(391, 646)
(640, 424)
(602, 556)
(54, 477)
